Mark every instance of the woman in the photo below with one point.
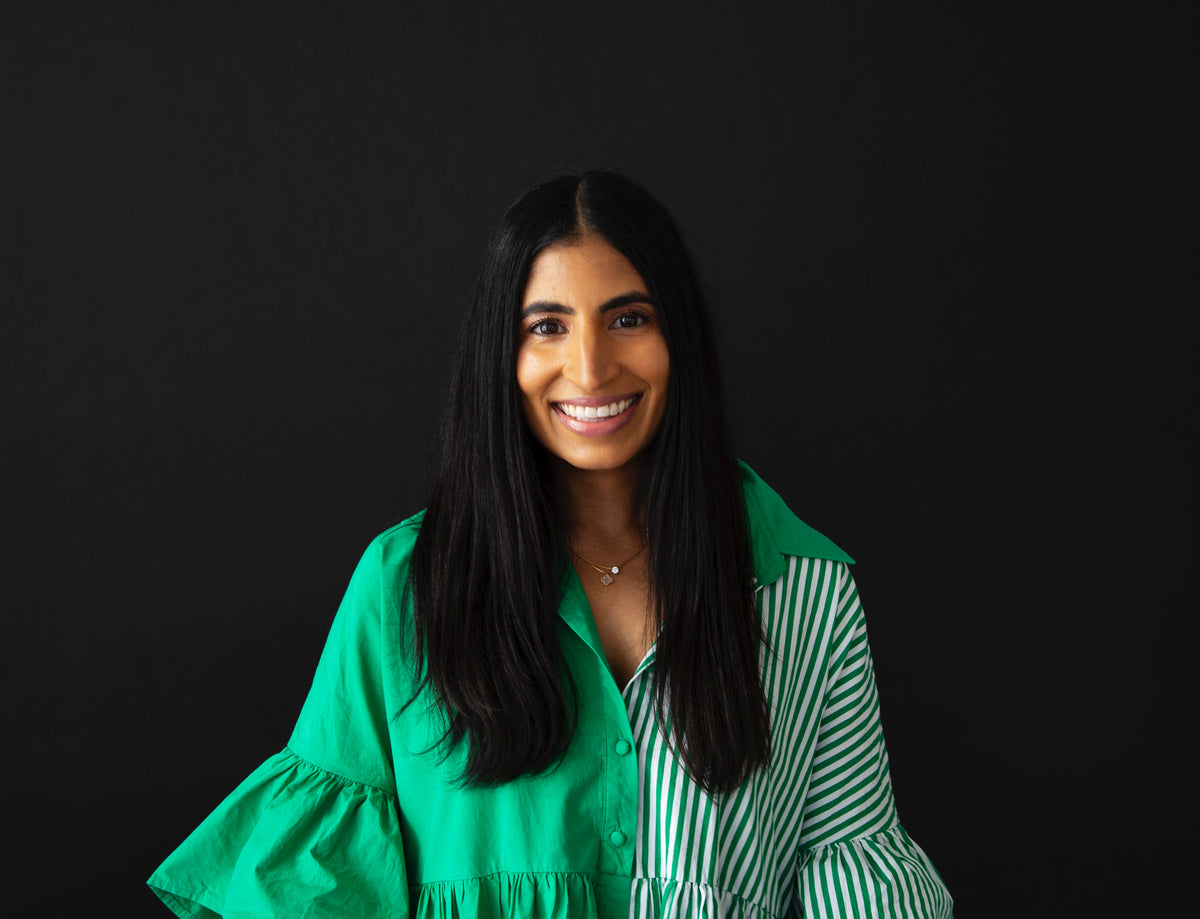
(606, 672)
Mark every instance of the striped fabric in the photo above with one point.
(817, 833)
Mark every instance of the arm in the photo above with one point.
(315, 830)
(855, 858)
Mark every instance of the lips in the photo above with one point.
(595, 416)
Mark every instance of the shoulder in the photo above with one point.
(381, 574)
(393, 547)
(776, 531)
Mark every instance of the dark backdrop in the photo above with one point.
(238, 241)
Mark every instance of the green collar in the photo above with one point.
(775, 531)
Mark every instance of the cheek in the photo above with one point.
(532, 377)
(526, 373)
(658, 365)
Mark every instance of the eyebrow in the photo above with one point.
(549, 306)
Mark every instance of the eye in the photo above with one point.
(630, 320)
(546, 327)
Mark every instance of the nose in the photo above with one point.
(591, 361)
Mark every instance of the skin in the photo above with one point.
(589, 329)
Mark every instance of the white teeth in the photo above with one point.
(594, 412)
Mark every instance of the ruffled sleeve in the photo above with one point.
(884, 874)
(291, 841)
(856, 859)
(315, 831)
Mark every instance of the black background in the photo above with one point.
(237, 242)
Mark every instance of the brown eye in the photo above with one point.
(545, 327)
(630, 321)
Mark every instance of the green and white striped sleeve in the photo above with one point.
(855, 858)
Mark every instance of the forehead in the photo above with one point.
(579, 272)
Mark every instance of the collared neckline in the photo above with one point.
(775, 531)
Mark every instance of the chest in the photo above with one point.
(623, 614)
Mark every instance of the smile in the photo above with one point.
(595, 413)
(596, 417)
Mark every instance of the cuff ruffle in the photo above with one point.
(291, 841)
(884, 874)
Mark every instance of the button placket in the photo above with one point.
(624, 813)
(621, 779)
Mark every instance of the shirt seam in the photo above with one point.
(741, 899)
(809, 850)
(337, 776)
(505, 872)
(508, 872)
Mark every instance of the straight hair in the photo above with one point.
(489, 566)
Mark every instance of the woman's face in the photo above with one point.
(592, 362)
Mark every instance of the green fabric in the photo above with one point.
(361, 814)
(776, 532)
(291, 840)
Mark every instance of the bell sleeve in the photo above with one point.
(315, 830)
(855, 858)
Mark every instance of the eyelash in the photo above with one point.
(642, 318)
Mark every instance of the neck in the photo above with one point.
(600, 507)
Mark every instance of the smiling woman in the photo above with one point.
(592, 363)
(607, 672)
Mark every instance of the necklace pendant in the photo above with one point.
(616, 570)
(606, 580)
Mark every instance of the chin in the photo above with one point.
(597, 460)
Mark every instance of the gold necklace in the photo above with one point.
(606, 574)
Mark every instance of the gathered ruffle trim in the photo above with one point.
(551, 895)
(885, 872)
(291, 841)
(664, 898)
(506, 895)
(294, 841)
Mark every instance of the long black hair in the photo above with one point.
(488, 568)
